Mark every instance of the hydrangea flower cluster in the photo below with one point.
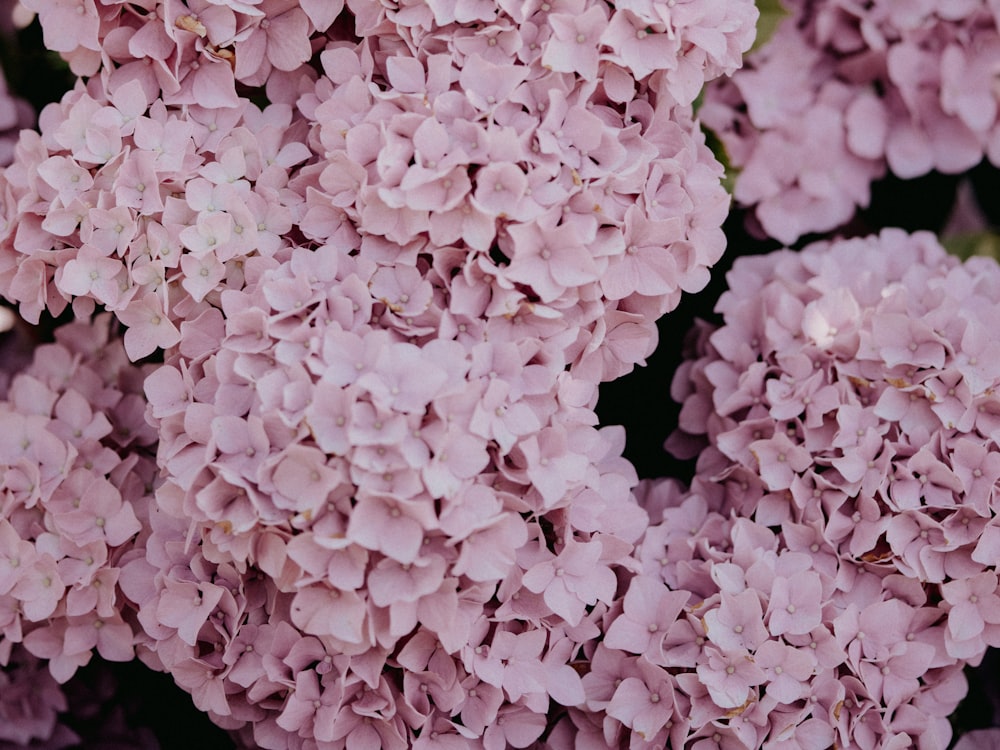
(845, 91)
(384, 300)
(346, 513)
(386, 253)
(77, 482)
(543, 155)
(833, 566)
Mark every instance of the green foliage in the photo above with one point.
(771, 14)
(719, 151)
(974, 243)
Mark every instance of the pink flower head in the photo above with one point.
(383, 303)
(738, 622)
(575, 40)
(795, 605)
(845, 558)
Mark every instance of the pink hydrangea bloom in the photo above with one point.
(384, 301)
(840, 548)
(843, 93)
(78, 473)
(593, 223)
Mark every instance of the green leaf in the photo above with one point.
(973, 243)
(719, 151)
(771, 14)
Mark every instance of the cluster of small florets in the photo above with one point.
(76, 487)
(384, 301)
(832, 569)
(382, 515)
(204, 53)
(346, 512)
(156, 222)
(845, 90)
(543, 156)
(506, 193)
(737, 635)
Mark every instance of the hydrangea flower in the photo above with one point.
(382, 514)
(843, 93)
(340, 503)
(78, 473)
(578, 198)
(384, 301)
(838, 556)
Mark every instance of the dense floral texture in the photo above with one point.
(383, 515)
(76, 491)
(346, 514)
(385, 301)
(844, 91)
(832, 568)
(531, 164)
